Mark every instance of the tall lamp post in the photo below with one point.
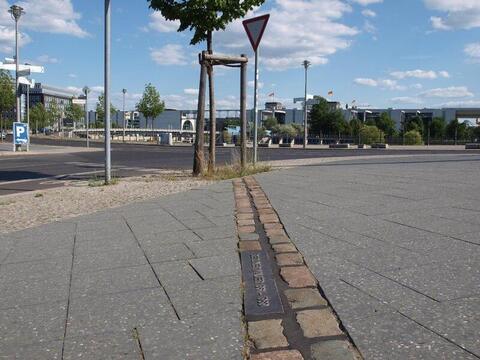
(365, 112)
(403, 127)
(108, 165)
(16, 12)
(86, 90)
(124, 92)
(306, 65)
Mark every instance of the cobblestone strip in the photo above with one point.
(307, 328)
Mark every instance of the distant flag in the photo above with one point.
(271, 94)
(330, 93)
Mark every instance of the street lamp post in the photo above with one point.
(403, 127)
(305, 64)
(108, 165)
(16, 12)
(124, 92)
(86, 90)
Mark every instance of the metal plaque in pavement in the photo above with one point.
(261, 293)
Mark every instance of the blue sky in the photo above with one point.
(390, 53)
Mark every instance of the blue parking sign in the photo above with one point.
(20, 133)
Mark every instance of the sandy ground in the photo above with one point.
(25, 210)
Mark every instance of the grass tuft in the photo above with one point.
(236, 171)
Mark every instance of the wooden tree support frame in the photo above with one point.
(206, 61)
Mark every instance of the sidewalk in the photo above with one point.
(159, 279)
(393, 246)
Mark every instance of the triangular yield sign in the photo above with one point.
(255, 28)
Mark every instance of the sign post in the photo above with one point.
(20, 135)
(255, 28)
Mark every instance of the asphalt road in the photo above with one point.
(34, 172)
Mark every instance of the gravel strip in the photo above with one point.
(25, 210)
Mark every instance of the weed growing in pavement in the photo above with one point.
(38, 195)
(97, 181)
(236, 171)
(8, 202)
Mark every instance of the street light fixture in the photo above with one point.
(124, 92)
(86, 90)
(306, 64)
(16, 12)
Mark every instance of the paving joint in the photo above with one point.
(306, 327)
(153, 269)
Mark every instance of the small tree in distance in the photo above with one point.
(101, 111)
(7, 95)
(150, 104)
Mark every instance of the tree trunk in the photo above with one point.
(212, 110)
(198, 160)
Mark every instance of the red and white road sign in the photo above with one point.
(255, 28)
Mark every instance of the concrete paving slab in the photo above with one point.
(118, 312)
(217, 266)
(116, 345)
(214, 247)
(213, 337)
(29, 325)
(208, 297)
(112, 281)
(158, 253)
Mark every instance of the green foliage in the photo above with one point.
(231, 123)
(202, 17)
(269, 123)
(74, 112)
(40, 117)
(286, 131)
(325, 120)
(100, 109)
(53, 114)
(413, 137)
(7, 95)
(437, 128)
(371, 135)
(386, 124)
(298, 128)
(227, 137)
(7, 92)
(414, 124)
(262, 132)
(456, 130)
(150, 104)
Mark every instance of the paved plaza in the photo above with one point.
(393, 243)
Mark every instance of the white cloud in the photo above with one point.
(251, 83)
(369, 13)
(448, 92)
(366, 82)
(417, 86)
(291, 35)
(367, 2)
(52, 16)
(460, 104)
(73, 76)
(160, 24)
(170, 54)
(460, 14)
(406, 100)
(46, 59)
(382, 83)
(190, 91)
(473, 51)
(420, 74)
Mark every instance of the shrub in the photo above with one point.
(227, 137)
(371, 134)
(413, 137)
